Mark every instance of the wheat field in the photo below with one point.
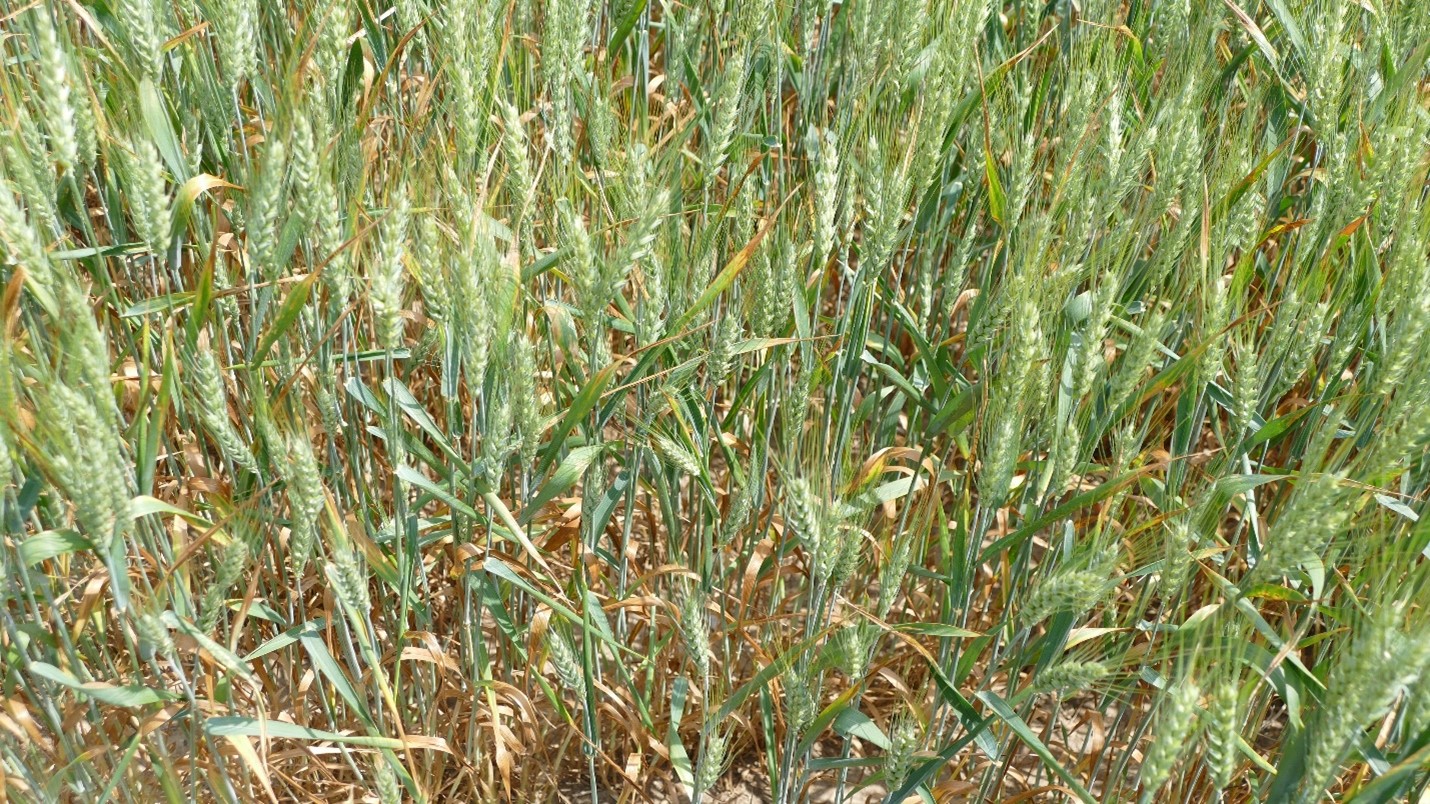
(674, 400)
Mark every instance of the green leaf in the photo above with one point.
(830, 713)
(853, 723)
(633, 15)
(1400, 81)
(1020, 728)
(1264, 628)
(1087, 498)
(161, 130)
(565, 476)
(606, 507)
(287, 315)
(240, 726)
(679, 757)
(897, 379)
(578, 408)
(892, 490)
(285, 639)
(956, 414)
(144, 505)
(1288, 24)
(495, 566)
(97, 251)
(997, 199)
(1254, 31)
(937, 630)
(116, 561)
(129, 696)
(1389, 785)
(118, 775)
(409, 405)
(1232, 485)
(724, 279)
(323, 661)
(766, 674)
(225, 657)
(51, 544)
(973, 721)
(159, 304)
(425, 483)
(1397, 506)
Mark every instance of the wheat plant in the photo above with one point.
(876, 400)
